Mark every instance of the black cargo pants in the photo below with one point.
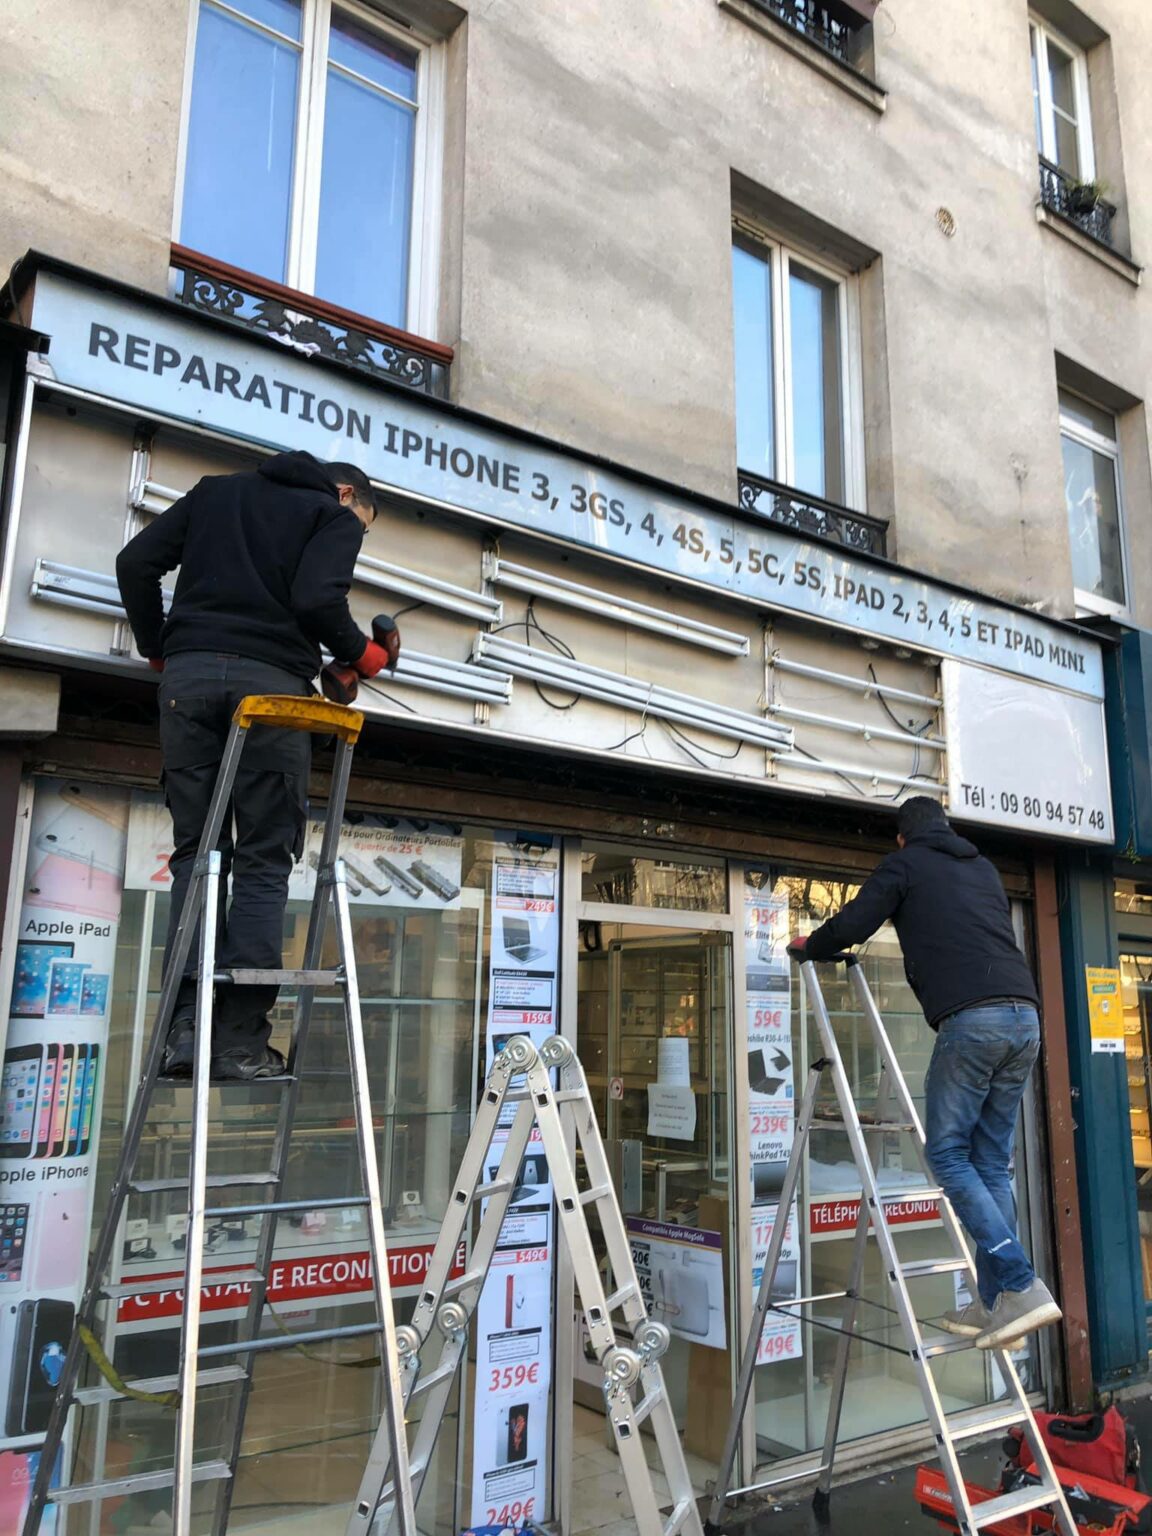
(263, 829)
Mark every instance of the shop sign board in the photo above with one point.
(1024, 755)
(168, 365)
(681, 1274)
(52, 1087)
(841, 1213)
(1105, 1010)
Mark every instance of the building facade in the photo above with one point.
(756, 393)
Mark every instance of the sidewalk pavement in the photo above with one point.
(886, 1505)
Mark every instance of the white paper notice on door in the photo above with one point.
(671, 1112)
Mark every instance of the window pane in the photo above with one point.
(817, 426)
(365, 201)
(281, 15)
(238, 178)
(752, 330)
(1062, 73)
(1087, 415)
(373, 56)
(1034, 40)
(1093, 521)
(1067, 144)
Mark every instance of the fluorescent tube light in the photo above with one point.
(70, 586)
(856, 728)
(629, 693)
(856, 684)
(858, 771)
(623, 610)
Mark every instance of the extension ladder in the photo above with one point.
(633, 1383)
(894, 1111)
(202, 904)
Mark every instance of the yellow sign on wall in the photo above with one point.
(1105, 1011)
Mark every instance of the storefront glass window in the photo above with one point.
(793, 1382)
(633, 878)
(1136, 994)
(1133, 898)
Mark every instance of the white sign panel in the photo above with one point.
(681, 1274)
(1022, 755)
(177, 367)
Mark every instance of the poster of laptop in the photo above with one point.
(517, 935)
(681, 1273)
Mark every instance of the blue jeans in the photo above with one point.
(975, 1081)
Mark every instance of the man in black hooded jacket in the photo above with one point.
(963, 963)
(266, 561)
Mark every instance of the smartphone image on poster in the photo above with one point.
(19, 1091)
(514, 1446)
(61, 1239)
(94, 994)
(87, 1109)
(30, 983)
(43, 1329)
(76, 1102)
(46, 1103)
(15, 1481)
(60, 1107)
(65, 979)
(13, 1243)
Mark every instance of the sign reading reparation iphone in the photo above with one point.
(168, 364)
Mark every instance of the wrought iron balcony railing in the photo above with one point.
(310, 325)
(811, 514)
(822, 22)
(1080, 202)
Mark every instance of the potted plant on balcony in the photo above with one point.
(1085, 197)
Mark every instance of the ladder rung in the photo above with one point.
(213, 1181)
(281, 1207)
(827, 1117)
(388, 1492)
(443, 1372)
(647, 1405)
(287, 1341)
(597, 1192)
(945, 1347)
(173, 1282)
(679, 1515)
(143, 1482)
(569, 1095)
(470, 1277)
(918, 1268)
(496, 1187)
(251, 978)
(219, 1376)
(625, 1293)
(1018, 1502)
(915, 1192)
(989, 1425)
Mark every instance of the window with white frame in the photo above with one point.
(311, 152)
(796, 376)
(1060, 100)
(1095, 509)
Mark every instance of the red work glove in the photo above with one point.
(156, 663)
(797, 946)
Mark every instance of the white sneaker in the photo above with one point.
(1018, 1313)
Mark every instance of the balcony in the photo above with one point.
(310, 325)
(1079, 202)
(810, 514)
(832, 25)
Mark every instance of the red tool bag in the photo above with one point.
(1102, 1444)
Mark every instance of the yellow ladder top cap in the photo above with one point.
(320, 717)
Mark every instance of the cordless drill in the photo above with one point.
(340, 681)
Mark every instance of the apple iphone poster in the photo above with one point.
(51, 1086)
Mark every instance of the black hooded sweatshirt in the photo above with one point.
(952, 920)
(266, 561)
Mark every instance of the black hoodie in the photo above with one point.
(265, 561)
(951, 917)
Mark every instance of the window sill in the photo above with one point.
(843, 75)
(1123, 266)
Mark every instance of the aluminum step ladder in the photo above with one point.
(634, 1389)
(234, 1363)
(894, 1111)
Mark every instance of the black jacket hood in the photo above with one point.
(299, 469)
(944, 841)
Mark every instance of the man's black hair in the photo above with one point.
(920, 813)
(350, 474)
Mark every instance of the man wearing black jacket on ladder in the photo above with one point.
(266, 561)
(963, 963)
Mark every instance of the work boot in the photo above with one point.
(247, 1064)
(179, 1057)
(1018, 1313)
(967, 1321)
